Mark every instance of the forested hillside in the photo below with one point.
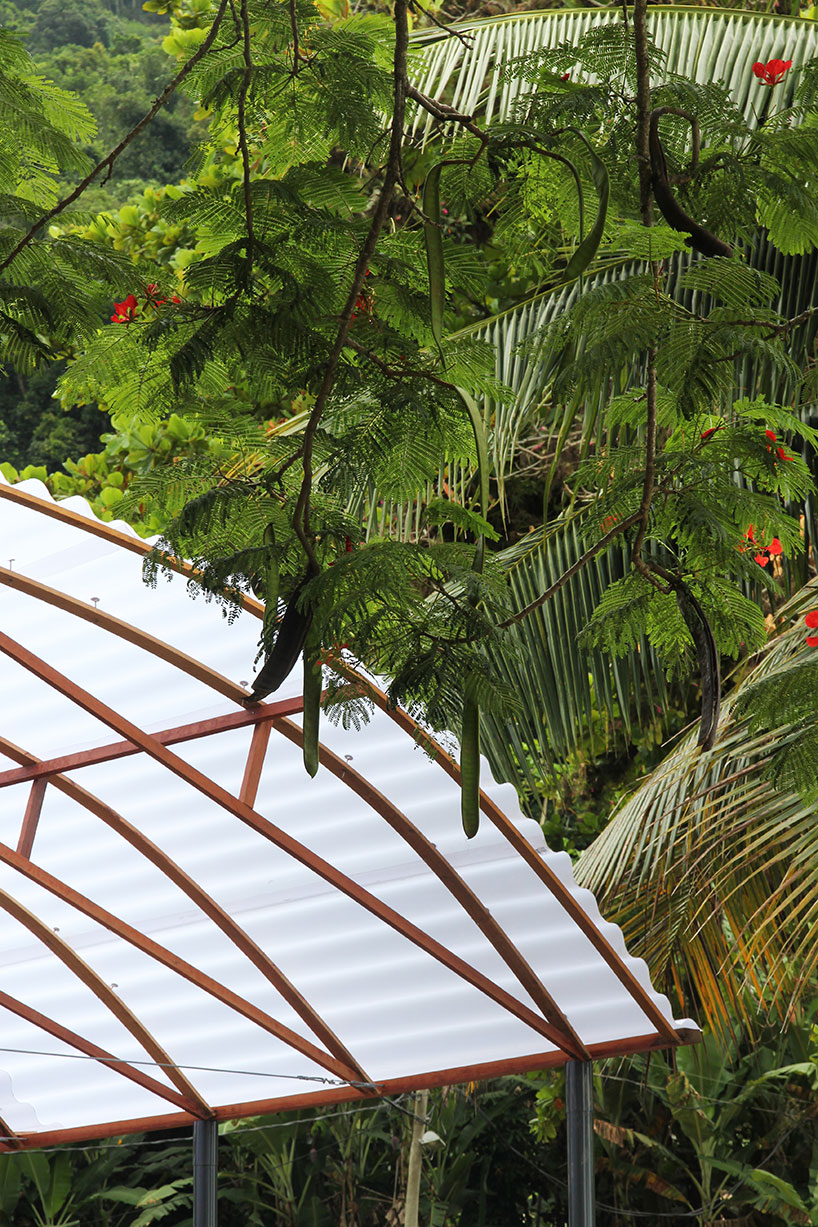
(110, 53)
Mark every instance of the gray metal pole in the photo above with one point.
(205, 1172)
(579, 1108)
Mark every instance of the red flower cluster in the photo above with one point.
(782, 455)
(812, 622)
(771, 73)
(765, 552)
(127, 310)
(152, 298)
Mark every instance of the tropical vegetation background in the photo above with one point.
(590, 704)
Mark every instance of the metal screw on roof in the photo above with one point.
(348, 757)
(243, 683)
(95, 601)
(11, 564)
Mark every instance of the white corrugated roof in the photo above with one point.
(241, 939)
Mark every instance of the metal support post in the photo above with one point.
(579, 1107)
(205, 1172)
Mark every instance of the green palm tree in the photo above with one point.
(710, 866)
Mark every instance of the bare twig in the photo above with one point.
(582, 561)
(442, 112)
(110, 158)
(449, 31)
(395, 372)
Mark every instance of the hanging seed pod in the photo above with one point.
(434, 252)
(708, 658)
(470, 768)
(313, 681)
(292, 632)
(271, 584)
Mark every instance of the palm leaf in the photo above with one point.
(713, 873)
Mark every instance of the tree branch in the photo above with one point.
(582, 561)
(301, 514)
(245, 152)
(110, 158)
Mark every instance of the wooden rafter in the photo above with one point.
(125, 631)
(111, 1000)
(337, 1059)
(276, 835)
(45, 768)
(529, 854)
(89, 1049)
(473, 906)
(31, 817)
(178, 965)
(98, 528)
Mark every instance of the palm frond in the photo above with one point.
(710, 869)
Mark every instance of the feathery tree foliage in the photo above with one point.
(320, 291)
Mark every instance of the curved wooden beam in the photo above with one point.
(112, 1002)
(527, 851)
(473, 906)
(124, 630)
(98, 528)
(73, 1040)
(173, 961)
(275, 835)
(338, 1060)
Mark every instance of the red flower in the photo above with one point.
(782, 455)
(765, 552)
(812, 621)
(565, 76)
(708, 434)
(125, 311)
(152, 298)
(771, 435)
(771, 73)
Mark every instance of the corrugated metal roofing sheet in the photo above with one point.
(226, 933)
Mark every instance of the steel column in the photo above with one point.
(205, 1172)
(579, 1107)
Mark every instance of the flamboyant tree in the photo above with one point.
(323, 281)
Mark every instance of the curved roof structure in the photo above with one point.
(192, 927)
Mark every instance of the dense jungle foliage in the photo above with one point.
(473, 406)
